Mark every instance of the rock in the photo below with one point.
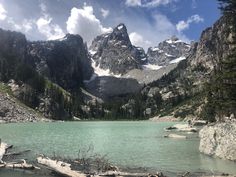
(182, 128)
(175, 136)
(199, 123)
(219, 140)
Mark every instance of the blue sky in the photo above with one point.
(148, 21)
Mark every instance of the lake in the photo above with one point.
(126, 144)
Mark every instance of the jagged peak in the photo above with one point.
(121, 26)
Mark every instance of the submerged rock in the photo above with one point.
(219, 140)
(175, 136)
(182, 128)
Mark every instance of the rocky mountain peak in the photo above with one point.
(114, 52)
(169, 51)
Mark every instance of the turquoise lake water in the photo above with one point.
(125, 144)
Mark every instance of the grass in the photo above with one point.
(5, 89)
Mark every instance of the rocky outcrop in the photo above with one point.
(65, 62)
(169, 51)
(214, 45)
(113, 51)
(219, 140)
(12, 111)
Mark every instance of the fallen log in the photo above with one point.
(21, 165)
(59, 167)
(119, 173)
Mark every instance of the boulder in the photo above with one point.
(219, 140)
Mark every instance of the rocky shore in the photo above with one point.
(12, 111)
(219, 140)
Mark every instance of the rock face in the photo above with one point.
(169, 51)
(65, 62)
(113, 51)
(214, 45)
(12, 44)
(107, 87)
(219, 140)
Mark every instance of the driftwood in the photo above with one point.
(21, 165)
(65, 169)
(59, 167)
(119, 173)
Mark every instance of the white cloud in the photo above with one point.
(27, 25)
(105, 12)
(85, 23)
(183, 25)
(48, 29)
(133, 2)
(149, 4)
(3, 12)
(138, 40)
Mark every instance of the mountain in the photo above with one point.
(61, 79)
(114, 52)
(45, 75)
(183, 90)
(169, 51)
(65, 61)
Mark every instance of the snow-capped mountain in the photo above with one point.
(167, 52)
(113, 53)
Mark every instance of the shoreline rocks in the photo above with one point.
(219, 140)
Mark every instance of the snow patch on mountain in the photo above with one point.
(177, 60)
(151, 67)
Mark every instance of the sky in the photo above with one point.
(148, 21)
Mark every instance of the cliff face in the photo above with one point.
(65, 62)
(12, 43)
(214, 45)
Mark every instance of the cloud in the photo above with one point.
(3, 12)
(149, 4)
(85, 23)
(105, 12)
(46, 27)
(183, 25)
(133, 2)
(138, 40)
